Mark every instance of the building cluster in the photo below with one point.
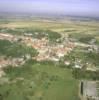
(10, 61)
(48, 51)
(89, 90)
(7, 37)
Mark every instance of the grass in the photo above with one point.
(10, 49)
(97, 88)
(62, 90)
(51, 35)
(80, 53)
(53, 25)
(40, 82)
(79, 30)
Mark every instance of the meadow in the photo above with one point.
(38, 81)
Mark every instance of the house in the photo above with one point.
(67, 63)
(89, 90)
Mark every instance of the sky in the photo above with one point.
(68, 7)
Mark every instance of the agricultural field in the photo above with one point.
(83, 31)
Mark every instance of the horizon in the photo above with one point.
(83, 8)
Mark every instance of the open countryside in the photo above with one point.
(47, 54)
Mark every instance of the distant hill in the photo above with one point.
(10, 15)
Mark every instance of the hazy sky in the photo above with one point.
(75, 7)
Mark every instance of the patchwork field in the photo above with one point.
(64, 27)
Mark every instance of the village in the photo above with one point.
(47, 51)
(52, 52)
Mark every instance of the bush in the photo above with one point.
(83, 74)
(15, 49)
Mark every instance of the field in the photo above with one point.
(74, 29)
(38, 81)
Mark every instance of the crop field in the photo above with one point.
(64, 27)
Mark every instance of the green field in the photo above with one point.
(38, 81)
(80, 30)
